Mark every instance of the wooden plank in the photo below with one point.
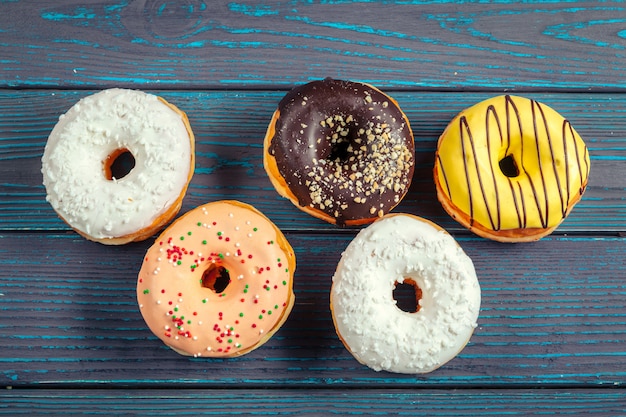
(440, 44)
(230, 127)
(313, 402)
(552, 315)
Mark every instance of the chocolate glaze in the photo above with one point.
(344, 148)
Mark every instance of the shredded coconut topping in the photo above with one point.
(380, 335)
(92, 130)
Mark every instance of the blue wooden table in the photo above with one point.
(551, 336)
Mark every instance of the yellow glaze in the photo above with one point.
(552, 164)
(193, 315)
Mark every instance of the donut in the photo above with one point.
(218, 282)
(341, 151)
(116, 166)
(404, 249)
(510, 169)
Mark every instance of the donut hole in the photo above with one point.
(509, 167)
(216, 278)
(407, 295)
(118, 164)
(339, 151)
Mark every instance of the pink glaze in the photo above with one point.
(183, 309)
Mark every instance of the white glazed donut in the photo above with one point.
(395, 249)
(78, 157)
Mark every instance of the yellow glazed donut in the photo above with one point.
(78, 160)
(510, 169)
(402, 248)
(218, 281)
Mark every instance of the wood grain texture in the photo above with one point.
(551, 315)
(324, 402)
(438, 44)
(230, 127)
(552, 327)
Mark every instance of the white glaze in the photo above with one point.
(374, 329)
(96, 126)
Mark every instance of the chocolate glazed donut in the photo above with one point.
(341, 151)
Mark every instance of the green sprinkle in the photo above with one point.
(221, 255)
(245, 291)
(204, 301)
(204, 242)
(255, 229)
(276, 307)
(182, 238)
(188, 321)
(199, 223)
(230, 340)
(219, 233)
(284, 282)
(240, 314)
(260, 316)
(269, 312)
(175, 308)
(188, 233)
(267, 288)
(179, 262)
(146, 291)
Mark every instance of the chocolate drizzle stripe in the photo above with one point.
(578, 156)
(476, 168)
(542, 218)
(445, 177)
(492, 110)
(525, 218)
(508, 105)
(564, 130)
(554, 167)
(462, 122)
(586, 158)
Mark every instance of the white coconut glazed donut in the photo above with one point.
(77, 164)
(395, 249)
